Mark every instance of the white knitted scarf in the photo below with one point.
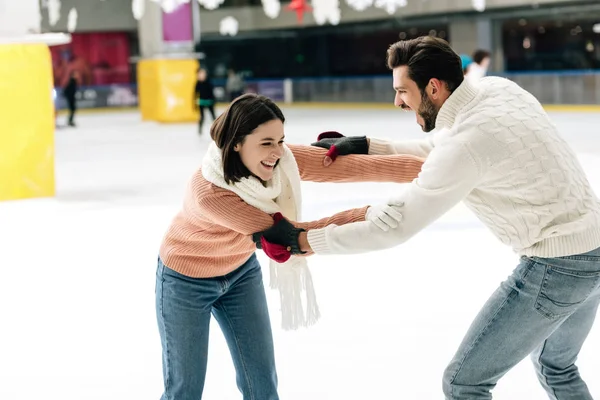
(292, 277)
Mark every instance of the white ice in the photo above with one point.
(77, 283)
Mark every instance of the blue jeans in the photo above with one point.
(545, 309)
(184, 306)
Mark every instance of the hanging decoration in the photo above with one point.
(53, 11)
(210, 4)
(229, 26)
(169, 6)
(138, 7)
(299, 7)
(390, 5)
(359, 5)
(72, 20)
(478, 5)
(326, 11)
(271, 8)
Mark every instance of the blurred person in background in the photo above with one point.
(234, 85)
(465, 61)
(70, 93)
(479, 67)
(204, 97)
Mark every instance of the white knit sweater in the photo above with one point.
(496, 149)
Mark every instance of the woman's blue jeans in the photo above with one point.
(237, 300)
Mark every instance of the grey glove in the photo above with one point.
(340, 145)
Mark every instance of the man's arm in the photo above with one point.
(448, 175)
(416, 147)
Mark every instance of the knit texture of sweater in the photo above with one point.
(496, 149)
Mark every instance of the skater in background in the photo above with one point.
(234, 85)
(478, 68)
(207, 262)
(204, 97)
(70, 93)
(465, 61)
(495, 148)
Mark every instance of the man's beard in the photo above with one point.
(428, 111)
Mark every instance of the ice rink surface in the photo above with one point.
(78, 275)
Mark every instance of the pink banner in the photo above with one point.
(177, 26)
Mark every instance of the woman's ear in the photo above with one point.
(237, 147)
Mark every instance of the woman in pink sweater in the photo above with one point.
(207, 262)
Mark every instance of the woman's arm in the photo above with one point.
(399, 168)
(225, 208)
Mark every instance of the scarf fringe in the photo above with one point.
(292, 281)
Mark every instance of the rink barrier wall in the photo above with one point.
(566, 108)
(577, 91)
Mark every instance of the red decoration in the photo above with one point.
(300, 7)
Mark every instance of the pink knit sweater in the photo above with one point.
(211, 235)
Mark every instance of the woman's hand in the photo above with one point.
(280, 241)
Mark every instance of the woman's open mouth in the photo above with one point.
(269, 165)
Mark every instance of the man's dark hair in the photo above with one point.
(427, 57)
(240, 119)
(480, 55)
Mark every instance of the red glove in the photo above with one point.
(275, 252)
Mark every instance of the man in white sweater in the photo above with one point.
(495, 149)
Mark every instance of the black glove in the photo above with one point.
(282, 233)
(340, 145)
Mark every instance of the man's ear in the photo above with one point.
(435, 88)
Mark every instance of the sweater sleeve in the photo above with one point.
(341, 218)
(448, 175)
(248, 219)
(400, 168)
(419, 148)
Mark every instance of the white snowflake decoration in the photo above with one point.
(138, 7)
(359, 5)
(72, 20)
(271, 8)
(229, 26)
(390, 5)
(326, 10)
(53, 11)
(478, 5)
(169, 6)
(211, 4)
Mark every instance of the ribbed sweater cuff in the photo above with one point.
(379, 147)
(567, 245)
(317, 239)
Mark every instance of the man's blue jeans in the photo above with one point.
(184, 306)
(545, 309)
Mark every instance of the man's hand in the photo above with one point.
(340, 145)
(386, 216)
